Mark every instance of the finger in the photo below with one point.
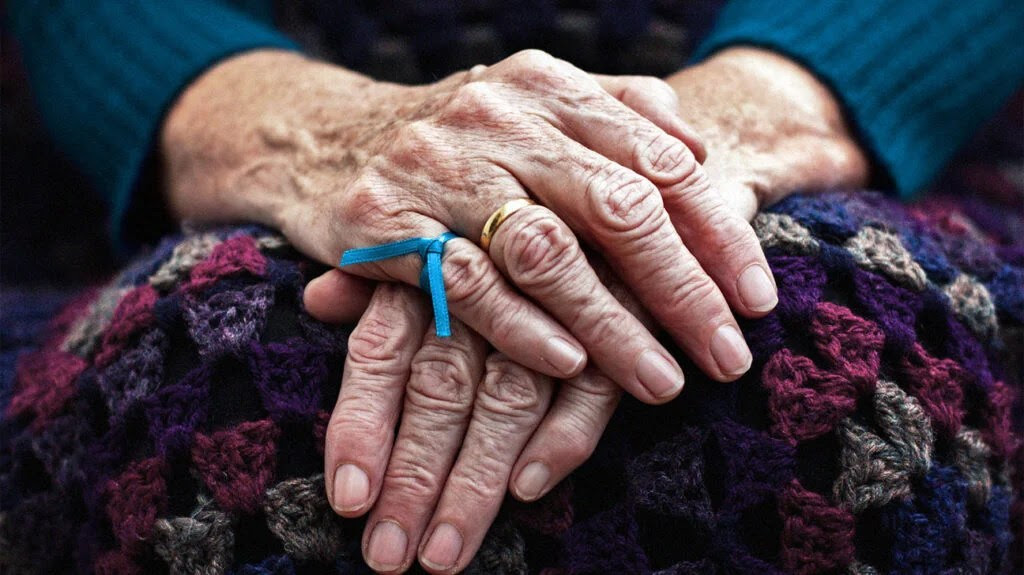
(479, 295)
(623, 215)
(438, 401)
(720, 238)
(655, 100)
(337, 297)
(361, 428)
(542, 257)
(743, 199)
(625, 136)
(510, 403)
(567, 436)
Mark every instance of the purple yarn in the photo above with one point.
(928, 529)
(174, 412)
(654, 478)
(755, 464)
(228, 321)
(829, 219)
(928, 254)
(289, 376)
(1007, 289)
(748, 477)
(801, 280)
(135, 374)
(892, 307)
(605, 543)
(61, 448)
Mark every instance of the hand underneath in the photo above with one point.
(770, 127)
(473, 425)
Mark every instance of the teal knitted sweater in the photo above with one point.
(915, 78)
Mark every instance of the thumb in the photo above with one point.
(337, 297)
(740, 197)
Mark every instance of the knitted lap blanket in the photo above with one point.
(173, 421)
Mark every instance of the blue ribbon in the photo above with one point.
(431, 279)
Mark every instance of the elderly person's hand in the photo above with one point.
(770, 127)
(469, 423)
(466, 419)
(776, 130)
(338, 161)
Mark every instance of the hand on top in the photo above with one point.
(608, 157)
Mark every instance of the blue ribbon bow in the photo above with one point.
(431, 279)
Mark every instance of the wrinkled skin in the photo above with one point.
(338, 161)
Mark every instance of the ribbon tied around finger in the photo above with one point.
(431, 277)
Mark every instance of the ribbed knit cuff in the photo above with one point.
(105, 73)
(916, 79)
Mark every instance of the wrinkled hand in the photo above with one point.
(809, 149)
(472, 426)
(468, 424)
(770, 127)
(418, 161)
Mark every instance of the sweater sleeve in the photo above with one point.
(916, 78)
(104, 73)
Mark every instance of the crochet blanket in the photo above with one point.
(173, 420)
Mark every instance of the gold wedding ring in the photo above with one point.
(498, 217)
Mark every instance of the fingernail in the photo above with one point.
(532, 480)
(386, 550)
(443, 548)
(660, 377)
(562, 355)
(756, 289)
(730, 351)
(351, 488)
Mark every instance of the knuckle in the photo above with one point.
(467, 278)
(691, 194)
(509, 390)
(532, 58)
(481, 478)
(475, 103)
(539, 250)
(665, 154)
(371, 341)
(415, 144)
(507, 316)
(601, 322)
(574, 439)
(357, 422)
(622, 201)
(737, 241)
(538, 71)
(377, 342)
(366, 204)
(408, 478)
(599, 391)
(695, 292)
(441, 380)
